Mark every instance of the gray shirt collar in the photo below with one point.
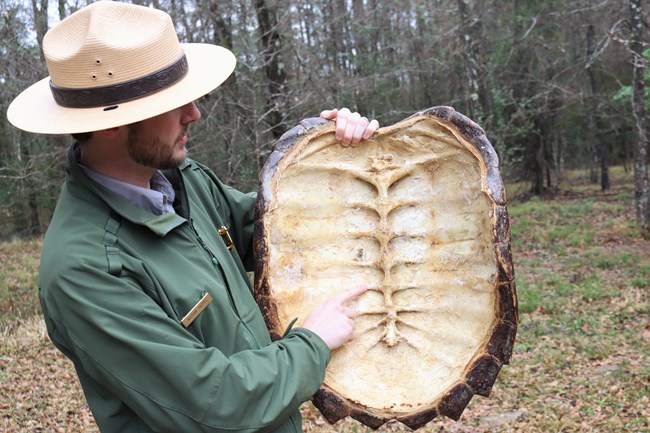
(158, 199)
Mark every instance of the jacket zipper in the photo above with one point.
(215, 262)
(293, 424)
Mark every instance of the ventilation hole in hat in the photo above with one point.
(94, 76)
(98, 61)
(112, 107)
(110, 74)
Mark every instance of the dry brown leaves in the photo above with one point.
(39, 390)
(581, 363)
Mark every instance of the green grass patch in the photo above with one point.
(640, 282)
(530, 297)
(583, 272)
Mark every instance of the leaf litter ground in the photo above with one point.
(581, 361)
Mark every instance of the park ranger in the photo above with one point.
(143, 281)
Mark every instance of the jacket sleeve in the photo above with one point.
(124, 342)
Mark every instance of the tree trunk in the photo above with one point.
(62, 13)
(273, 67)
(222, 35)
(39, 8)
(638, 93)
(539, 169)
(602, 148)
(476, 90)
(31, 221)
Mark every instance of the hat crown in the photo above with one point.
(109, 43)
(114, 64)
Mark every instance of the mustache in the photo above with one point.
(183, 133)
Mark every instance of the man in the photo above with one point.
(143, 280)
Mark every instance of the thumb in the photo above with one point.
(329, 114)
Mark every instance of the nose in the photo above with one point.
(190, 113)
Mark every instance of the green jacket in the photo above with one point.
(115, 282)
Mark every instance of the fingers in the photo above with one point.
(350, 293)
(342, 120)
(359, 129)
(354, 128)
(332, 320)
(351, 128)
(350, 312)
(370, 129)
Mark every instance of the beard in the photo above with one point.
(152, 151)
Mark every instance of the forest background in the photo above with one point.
(558, 86)
(551, 82)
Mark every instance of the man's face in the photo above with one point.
(159, 142)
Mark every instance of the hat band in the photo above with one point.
(122, 92)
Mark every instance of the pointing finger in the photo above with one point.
(351, 293)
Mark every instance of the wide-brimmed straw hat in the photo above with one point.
(113, 64)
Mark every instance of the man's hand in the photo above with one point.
(351, 128)
(332, 320)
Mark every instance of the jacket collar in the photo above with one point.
(82, 186)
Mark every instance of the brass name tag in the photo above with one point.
(196, 310)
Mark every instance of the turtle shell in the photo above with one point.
(418, 214)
